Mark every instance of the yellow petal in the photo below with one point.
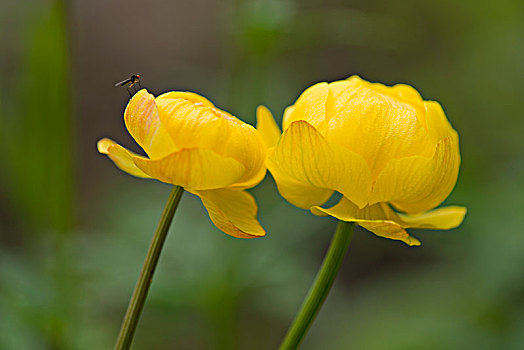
(197, 125)
(122, 158)
(391, 230)
(378, 218)
(377, 126)
(286, 119)
(193, 124)
(232, 211)
(143, 123)
(439, 219)
(304, 156)
(251, 182)
(310, 106)
(267, 127)
(246, 146)
(406, 92)
(193, 169)
(300, 194)
(340, 92)
(402, 92)
(190, 96)
(438, 125)
(417, 184)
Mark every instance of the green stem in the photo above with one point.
(146, 275)
(321, 286)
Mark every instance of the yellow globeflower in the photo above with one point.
(192, 144)
(379, 146)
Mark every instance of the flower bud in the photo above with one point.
(378, 146)
(191, 143)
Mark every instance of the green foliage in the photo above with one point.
(37, 133)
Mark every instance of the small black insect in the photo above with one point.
(131, 81)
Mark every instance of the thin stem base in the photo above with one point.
(320, 288)
(138, 298)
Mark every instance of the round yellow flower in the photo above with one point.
(191, 143)
(378, 146)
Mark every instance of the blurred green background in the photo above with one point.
(74, 229)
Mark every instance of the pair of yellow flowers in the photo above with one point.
(380, 147)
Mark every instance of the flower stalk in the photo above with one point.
(138, 298)
(319, 290)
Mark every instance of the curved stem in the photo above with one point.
(321, 286)
(138, 298)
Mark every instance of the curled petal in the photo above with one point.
(267, 127)
(143, 123)
(417, 184)
(122, 157)
(340, 92)
(379, 219)
(193, 169)
(304, 156)
(251, 182)
(391, 230)
(310, 106)
(286, 119)
(444, 218)
(300, 194)
(438, 125)
(246, 146)
(232, 211)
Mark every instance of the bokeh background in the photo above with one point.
(74, 229)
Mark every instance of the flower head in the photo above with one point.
(379, 146)
(191, 143)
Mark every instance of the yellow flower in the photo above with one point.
(378, 146)
(190, 143)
